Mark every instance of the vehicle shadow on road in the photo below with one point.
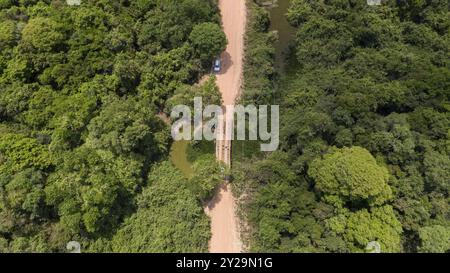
(226, 62)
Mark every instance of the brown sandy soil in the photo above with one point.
(224, 223)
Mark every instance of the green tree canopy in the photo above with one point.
(168, 219)
(208, 40)
(18, 152)
(42, 34)
(434, 239)
(91, 189)
(359, 228)
(7, 34)
(350, 175)
(207, 174)
(81, 88)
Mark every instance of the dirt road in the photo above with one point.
(224, 223)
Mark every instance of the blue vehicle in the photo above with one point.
(217, 65)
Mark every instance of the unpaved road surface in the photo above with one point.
(224, 223)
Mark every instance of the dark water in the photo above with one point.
(179, 159)
(286, 33)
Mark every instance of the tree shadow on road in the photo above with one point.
(217, 196)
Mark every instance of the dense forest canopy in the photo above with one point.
(83, 153)
(364, 130)
(364, 135)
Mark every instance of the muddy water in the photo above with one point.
(178, 156)
(286, 33)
